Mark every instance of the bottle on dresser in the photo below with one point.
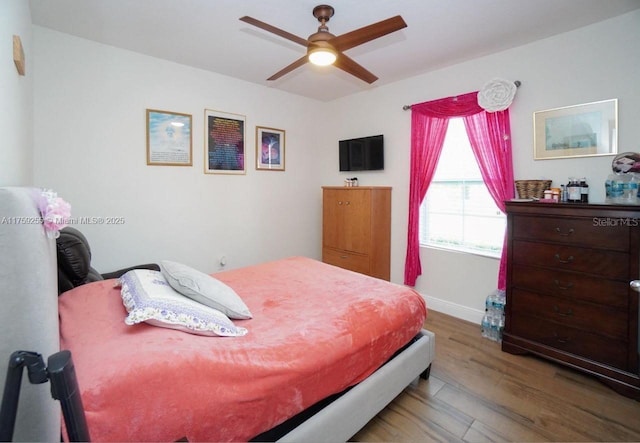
(584, 191)
(573, 191)
(564, 196)
(614, 187)
(634, 183)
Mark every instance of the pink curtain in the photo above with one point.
(427, 139)
(490, 137)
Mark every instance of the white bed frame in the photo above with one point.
(344, 417)
(29, 321)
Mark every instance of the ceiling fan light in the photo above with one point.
(322, 56)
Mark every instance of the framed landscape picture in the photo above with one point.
(584, 130)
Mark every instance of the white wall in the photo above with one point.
(90, 137)
(90, 146)
(598, 62)
(16, 106)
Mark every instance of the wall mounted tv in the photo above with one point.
(362, 154)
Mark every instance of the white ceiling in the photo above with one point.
(207, 34)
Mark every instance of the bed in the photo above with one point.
(322, 339)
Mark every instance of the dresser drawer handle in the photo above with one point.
(568, 313)
(561, 286)
(565, 234)
(344, 256)
(568, 260)
(560, 340)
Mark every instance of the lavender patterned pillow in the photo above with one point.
(148, 297)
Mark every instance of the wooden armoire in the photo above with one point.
(356, 229)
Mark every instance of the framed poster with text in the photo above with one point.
(224, 143)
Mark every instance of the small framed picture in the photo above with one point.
(168, 138)
(586, 130)
(224, 143)
(270, 149)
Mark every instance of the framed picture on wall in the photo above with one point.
(270, 149)
(169, 139)
(224, 143)
(584, 130)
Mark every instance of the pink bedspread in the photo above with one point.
(316, 330)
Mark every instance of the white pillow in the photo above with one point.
(148, 298)
(204, 289)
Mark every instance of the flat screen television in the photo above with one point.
(362, 154)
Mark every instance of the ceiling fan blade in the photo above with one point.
(301, 61)
(368, 33)
(347, 64)
(274, 30)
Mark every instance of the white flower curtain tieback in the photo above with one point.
(55, 212)
(497, 95)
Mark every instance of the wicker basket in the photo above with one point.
(532, 188)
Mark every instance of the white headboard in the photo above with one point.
(28, 307)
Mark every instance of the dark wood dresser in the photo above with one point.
(568, 295)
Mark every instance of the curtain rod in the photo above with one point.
(407, 107)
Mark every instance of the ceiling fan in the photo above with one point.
(324, 48)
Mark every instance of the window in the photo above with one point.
(458, 212)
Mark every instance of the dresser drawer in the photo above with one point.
(346, 260)
(575, 341)
(590, 318)
(554, 282)
(608, 264)
(597, 233)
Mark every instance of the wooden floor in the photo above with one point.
(477, 393)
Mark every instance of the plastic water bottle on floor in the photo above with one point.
(486, 325)
(494, 328)
(498, 303)
(489, 305)
(493, 320)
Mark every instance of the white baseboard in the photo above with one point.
(453, 309)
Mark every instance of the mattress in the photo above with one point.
(316, 330)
